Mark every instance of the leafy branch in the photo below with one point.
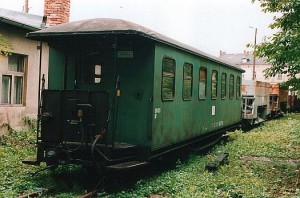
(282, 49)
(5, 47)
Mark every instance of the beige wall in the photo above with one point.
(12, 114)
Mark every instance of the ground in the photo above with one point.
(262, 162)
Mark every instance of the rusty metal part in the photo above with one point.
(90, 194)
(221, 159)
(34, 194)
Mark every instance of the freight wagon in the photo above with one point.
(278, 100)
(256, 105)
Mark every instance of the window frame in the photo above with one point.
(168, 75)
(215, 83)
(17, 92)
(205, 83)
(189, 78)
(90, 68)
(238, 87)
(231, 86)
(223, 86)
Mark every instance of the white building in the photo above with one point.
(245, 61)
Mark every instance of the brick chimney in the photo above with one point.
(57, 11)
(26, 7)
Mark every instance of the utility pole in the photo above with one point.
(254, 58)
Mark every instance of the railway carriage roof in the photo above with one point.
(116, 26)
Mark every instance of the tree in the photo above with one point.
(5, 47)
(282, 49)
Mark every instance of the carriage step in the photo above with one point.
(121, 145)
(127, 165)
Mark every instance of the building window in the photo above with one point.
(202, 82)
(187, 81)
(238, 87)
(231, 87)
(279, 77)
(223, 85)
(214, 84)
(168, 79)
(13, 80)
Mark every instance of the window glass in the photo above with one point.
(16, 63)
(202, 82)
(6, 89)
(18, 89)
(279, 77)
(187, 81)
(168, 79)
(98, 73)
(238, 87)
(214, 84)
(231, 86)
(223, 85)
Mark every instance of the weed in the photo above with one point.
(262, 163)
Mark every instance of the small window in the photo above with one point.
(90, 69)
(238, 87)
(223, 85)
(98, 73)
(168, 79)
(187, 81)
(6, 89)
(231, 87)
(202, 82)
(18, 89)
(214, 84)
(16, 62)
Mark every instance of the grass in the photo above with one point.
(264, 162)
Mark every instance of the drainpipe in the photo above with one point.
(40, 47)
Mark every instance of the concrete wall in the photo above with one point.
(13, 114)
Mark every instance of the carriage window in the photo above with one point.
(168, 79)
(223, 85)
(214, 84)
(231, 86)
(187, 81)
(98, 73)
(202, 82)
(238, 87)
(91, 69)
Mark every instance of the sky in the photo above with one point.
(208, 25)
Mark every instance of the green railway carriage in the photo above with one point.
(120, 95)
